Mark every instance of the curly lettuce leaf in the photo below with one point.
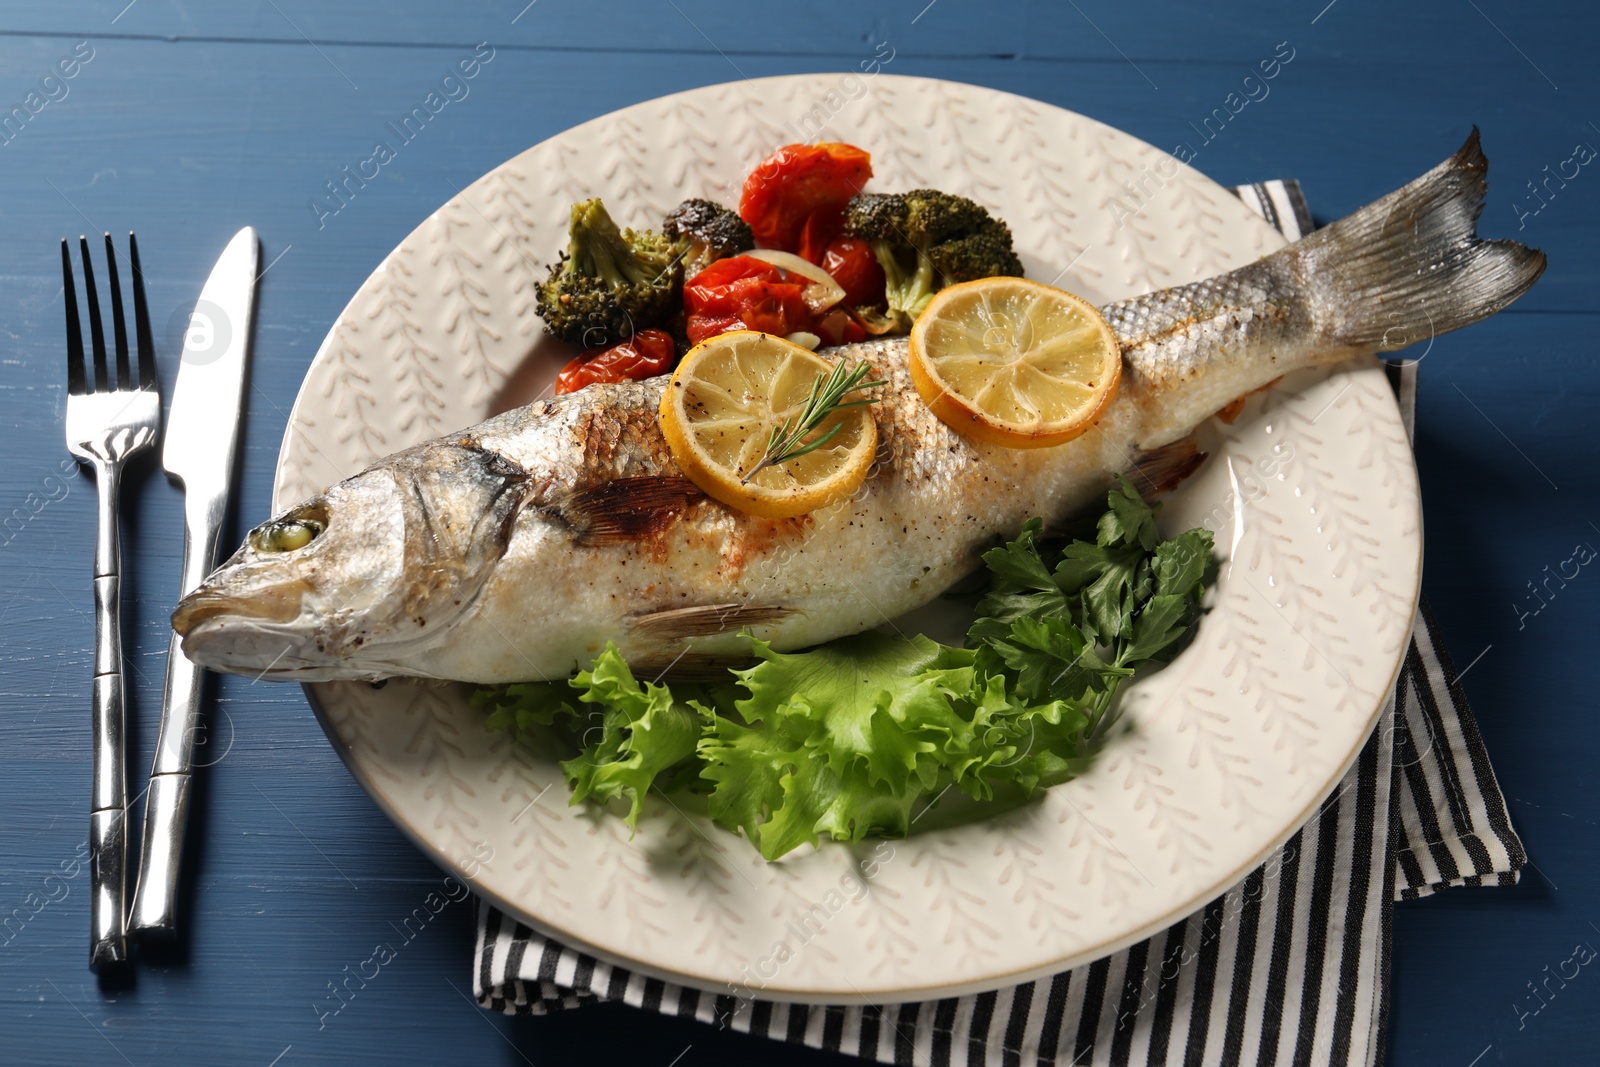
(841, 739)
(628, 733)
(521, 706)
(643, 731)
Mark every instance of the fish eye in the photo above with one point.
(294, 531)
(288, 536)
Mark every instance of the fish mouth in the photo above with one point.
(276, 604)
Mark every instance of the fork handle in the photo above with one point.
(108, 805)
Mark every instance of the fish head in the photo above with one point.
(352, 582)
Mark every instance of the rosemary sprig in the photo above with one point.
(827, 396)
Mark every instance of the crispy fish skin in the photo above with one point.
(515, 550)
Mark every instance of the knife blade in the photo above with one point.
(198, 451)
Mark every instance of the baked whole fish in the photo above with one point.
(516, 549)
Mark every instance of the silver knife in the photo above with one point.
(198, 451)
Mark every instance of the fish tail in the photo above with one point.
(1411, 265)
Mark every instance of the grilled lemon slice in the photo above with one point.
(1012, 362)
(719, 412)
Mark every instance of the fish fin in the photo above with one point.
(626, 509)
(1161, 470)
(1410, 265)
(1232, 409)
(1235, 407)
(707, 620)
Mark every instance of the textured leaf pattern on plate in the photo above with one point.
(1225, 749)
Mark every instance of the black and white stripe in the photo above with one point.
(1281, 203)
(1290, 966)
(1451, 826)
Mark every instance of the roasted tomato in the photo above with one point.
(797, 182)
(741, 293)
(644, 355)
(819, 231)
(837, 326)
(856, 269)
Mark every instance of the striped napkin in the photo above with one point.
(1289, 966)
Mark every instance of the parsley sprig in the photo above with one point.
(827, 396)
(1075, 622)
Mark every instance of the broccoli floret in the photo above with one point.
(703, 232)
(926, 240)
(982, 253)
(609, 282)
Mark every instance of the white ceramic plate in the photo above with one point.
(1312, 493)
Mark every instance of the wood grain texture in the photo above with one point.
(194, 119)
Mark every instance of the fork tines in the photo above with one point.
(77, 374)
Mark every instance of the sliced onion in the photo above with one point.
(821, 294)
(805, 339)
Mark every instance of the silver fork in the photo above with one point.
(107, 422)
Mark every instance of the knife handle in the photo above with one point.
(166, 815)
(166, 810)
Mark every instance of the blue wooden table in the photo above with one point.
(185, 121)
